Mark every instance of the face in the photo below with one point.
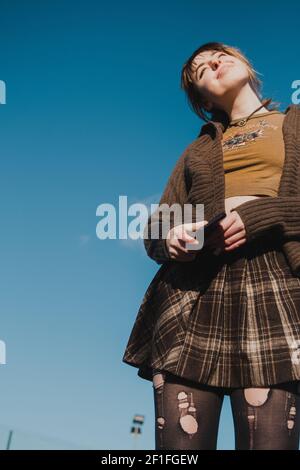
(216, 73)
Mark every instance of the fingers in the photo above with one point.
(193, 226)
(233, 224)
(236, 236)
(181, 237)
(216, 240)
(187, 238)
(180, 245)
(235, 245)
(227, 222)
(226, 236)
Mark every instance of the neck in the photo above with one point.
(242, 104)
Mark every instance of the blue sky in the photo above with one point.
(93, 111)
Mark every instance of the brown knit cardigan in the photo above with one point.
(198, 178)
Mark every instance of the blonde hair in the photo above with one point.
(194, 95)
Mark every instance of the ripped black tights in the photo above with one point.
(187, 415)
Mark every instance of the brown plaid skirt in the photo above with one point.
(231, 320)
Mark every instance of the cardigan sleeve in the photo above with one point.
(261, 215)
(174, 192)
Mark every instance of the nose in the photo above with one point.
(215, 62)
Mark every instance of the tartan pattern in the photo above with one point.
(231, 320)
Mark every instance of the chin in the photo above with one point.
(231, 81)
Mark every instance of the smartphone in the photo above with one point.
(209, 227)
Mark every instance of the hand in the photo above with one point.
(177, 238)
(228, 235)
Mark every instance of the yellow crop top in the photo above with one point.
(253, 155)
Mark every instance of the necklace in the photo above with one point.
(242, 122)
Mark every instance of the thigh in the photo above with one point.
(186, 414)
(267, 418)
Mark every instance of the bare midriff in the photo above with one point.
(231, 202)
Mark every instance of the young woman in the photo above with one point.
(225, 320)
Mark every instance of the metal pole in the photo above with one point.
(9, 440)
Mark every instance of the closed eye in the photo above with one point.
(204, 68)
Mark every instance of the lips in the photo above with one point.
(222, 68)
